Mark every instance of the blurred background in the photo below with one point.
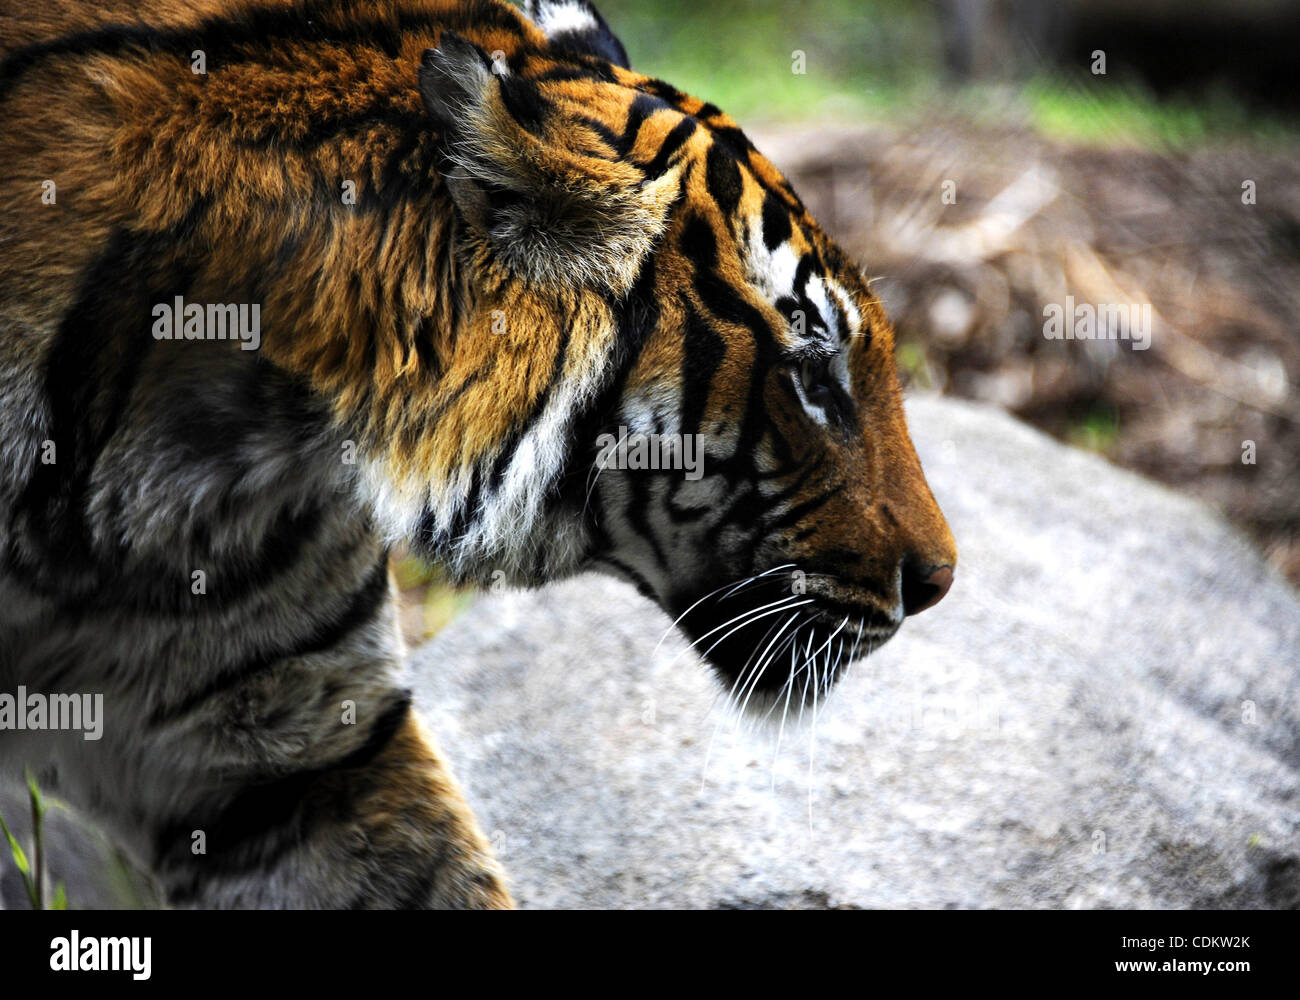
(1170, 179)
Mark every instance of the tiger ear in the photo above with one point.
(576, 26)
(519, 177)
(453, 79)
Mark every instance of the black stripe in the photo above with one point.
(360, 608)
(747, 508)
(839, 562)
(607, 135)
(730, 135)
(672, 142)
(871, 617)
(722, 177)
(636, 316)
(579, 68)
(525, 103)
(253, 32)
(463, 516)
(90, 374)
(726, 302)
(664, 91)
(703, 351)
(804, 474)
(698, 243)
(266, 818)
(440, 408)
(122, 582)
(640, 582)
(492, 482)
(643, 106)
(797, 512)
(597, 41)
(410, 167)
(380, 735)
(637, 513)
(776, 222)
(324, 127)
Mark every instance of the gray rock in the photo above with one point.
(1103, 713)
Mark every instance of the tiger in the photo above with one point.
(287, 284)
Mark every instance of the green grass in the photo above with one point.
(440, 600)
(914, 365)
(1113, 113)
(860, 58)
(1097, 429)
(32, 870)
(880, 60)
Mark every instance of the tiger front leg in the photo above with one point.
(385, 828)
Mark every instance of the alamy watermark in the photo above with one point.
(637, 451)
(181, 320)
(33, 711)
(75, 953)
(1103, 321)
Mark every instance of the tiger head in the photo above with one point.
(735, 443)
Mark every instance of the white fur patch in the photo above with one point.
(772, 270)
(510, 524)
(565, 18)
(846, 304)
(816, 292)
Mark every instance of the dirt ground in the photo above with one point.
(966, 269)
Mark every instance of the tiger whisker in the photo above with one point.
(597, 469)
(788, 687)
(776, 607)
(731, 693)
(803, 696)
(755, 578)
(764, 663)
(735, 586)
(831, 637)
(750, 671)
(812, 736)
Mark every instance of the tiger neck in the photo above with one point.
(305, 179)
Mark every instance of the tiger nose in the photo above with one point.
(924, 588)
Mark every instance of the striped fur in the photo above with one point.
(543, 247)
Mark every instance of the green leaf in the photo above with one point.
(20, 858)
(38, 803)
(60, 899)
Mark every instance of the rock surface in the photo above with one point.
(1103, 713)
